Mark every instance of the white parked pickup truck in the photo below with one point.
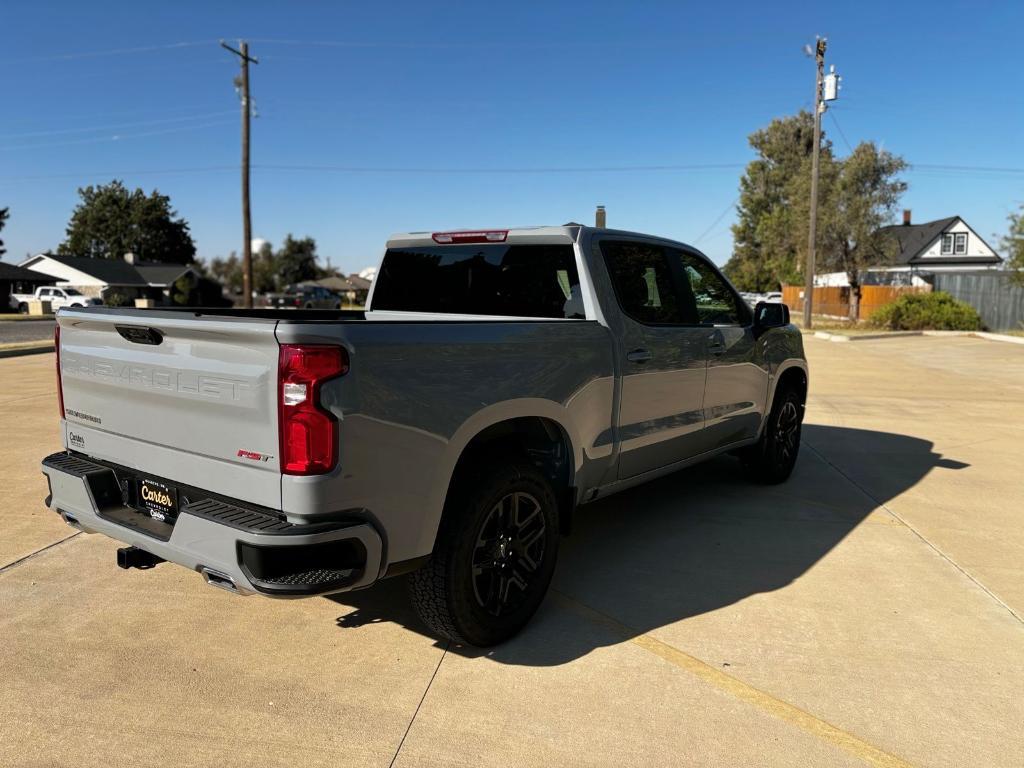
(58, 298)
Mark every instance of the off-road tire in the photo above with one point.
(772, 458)
(447, 592)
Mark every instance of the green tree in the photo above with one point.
(769, 228)
(858, 196)
(296, 260)
(227, 272)
(1012, 244)
(264, 270)
(112, 220)
(4, 214)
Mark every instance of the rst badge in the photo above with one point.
(253, 455)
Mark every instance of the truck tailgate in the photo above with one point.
(192, 399)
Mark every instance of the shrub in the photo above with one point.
(935, 311)
(116, 299)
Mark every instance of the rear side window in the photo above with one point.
(486, 279)
(642, 277)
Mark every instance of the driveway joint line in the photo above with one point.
(422, 699)
(20, 560)
(917, 533)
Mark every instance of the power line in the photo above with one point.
(466, 44)
(501, 170)
(162, 121)
(116, 137)
(986, 168)
(121, 173)
(715, 222)
(109, 52)
(835, 122)
(948, 170)
(106, 114)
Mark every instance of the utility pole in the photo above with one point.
(243, 54)
(819, 107)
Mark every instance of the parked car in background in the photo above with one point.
(58, 298)
(752, 299)
(305, 297)
(498, 381)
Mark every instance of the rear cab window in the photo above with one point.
(494, 279)
(641, 275)
(660, 285)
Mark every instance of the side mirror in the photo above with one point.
(770, 314)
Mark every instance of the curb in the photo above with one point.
(901, 334)
(864, 336)
(20, 351)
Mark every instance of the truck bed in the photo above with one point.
(200, 407)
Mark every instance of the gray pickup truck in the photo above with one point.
(498, 380)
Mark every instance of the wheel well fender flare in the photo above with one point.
(788, 370)
(490, 420)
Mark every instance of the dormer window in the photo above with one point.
(954, 243)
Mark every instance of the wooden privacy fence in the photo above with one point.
(834, 301)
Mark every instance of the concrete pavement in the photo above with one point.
(868, 612)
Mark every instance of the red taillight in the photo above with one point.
(491, 236)
(60, 387)
(309, 433)
(298, 302)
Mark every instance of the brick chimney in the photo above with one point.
(906, 217)
(599, 218)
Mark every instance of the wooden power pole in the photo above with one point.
(812, 237)
(243, 55)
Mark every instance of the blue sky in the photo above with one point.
(416, 93)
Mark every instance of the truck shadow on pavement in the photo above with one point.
(693, 542)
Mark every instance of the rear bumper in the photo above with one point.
(233, 545)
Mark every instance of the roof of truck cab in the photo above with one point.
(568, 233)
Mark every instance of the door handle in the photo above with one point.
(716, 343)
(638, 356)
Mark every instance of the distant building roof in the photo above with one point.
(20, 274)
(915, 239)
(359, 283)
(110, 271)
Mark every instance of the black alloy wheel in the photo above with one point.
(495, 554)
(508, 553)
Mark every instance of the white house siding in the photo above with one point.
(64, 274)
(975, 245)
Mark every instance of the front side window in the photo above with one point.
(716, 303)
(499, 279)
(642, 277)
